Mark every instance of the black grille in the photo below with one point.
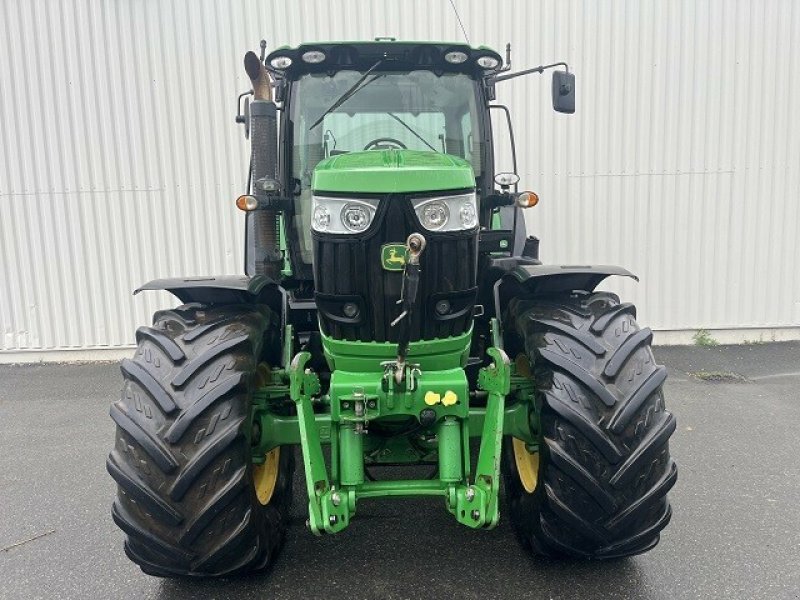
(347, 269)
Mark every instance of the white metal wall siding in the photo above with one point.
(119, 159)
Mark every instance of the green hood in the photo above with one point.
(392, 171)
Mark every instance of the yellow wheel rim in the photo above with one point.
(527, 465)
(265, 476)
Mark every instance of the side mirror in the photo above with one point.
(563, 92)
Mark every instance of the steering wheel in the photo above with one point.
(385, 143)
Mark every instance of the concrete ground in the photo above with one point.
(735, 531)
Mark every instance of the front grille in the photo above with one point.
(347, 269)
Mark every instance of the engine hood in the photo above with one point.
(392, 171)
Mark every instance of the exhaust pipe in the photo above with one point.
(258, 77)
(263, 225)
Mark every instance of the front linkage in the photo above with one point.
(439, 399)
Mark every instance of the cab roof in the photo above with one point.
(395, 56)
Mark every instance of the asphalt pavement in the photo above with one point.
(735, 532)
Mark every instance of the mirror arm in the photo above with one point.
(504, 108)
(540, 69)
(239, 114)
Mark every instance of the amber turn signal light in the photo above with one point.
(246, 203)
(527, 200)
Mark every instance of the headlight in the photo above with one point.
(434, 215)
(313, 57)
(342, 215)
(488, 62)
(281, 62)
(456, 57)
(356, 217)
(447, 213)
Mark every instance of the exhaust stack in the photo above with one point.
(263, 225)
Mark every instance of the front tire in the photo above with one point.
(188, 500)
(597, 486)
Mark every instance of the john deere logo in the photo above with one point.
(393, 257)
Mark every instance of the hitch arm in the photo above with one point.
(325, 513)
(495, 379)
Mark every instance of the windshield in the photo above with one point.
(418, 110)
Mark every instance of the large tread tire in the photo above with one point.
(605, 466)
(182, 458)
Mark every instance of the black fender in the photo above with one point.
(553, 279)
(220, 289)
(540, 280)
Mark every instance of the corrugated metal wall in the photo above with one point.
(119, 159)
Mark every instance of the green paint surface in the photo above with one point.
(392, 171)
(361, 357)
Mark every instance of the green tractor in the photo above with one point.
(394, 313)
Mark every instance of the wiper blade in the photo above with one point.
(414, 133)
(349, 93)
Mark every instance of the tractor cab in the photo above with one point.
(351, 98)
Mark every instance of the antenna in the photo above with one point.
(464, 31)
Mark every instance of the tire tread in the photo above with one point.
(605, 468)
(182, 457)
